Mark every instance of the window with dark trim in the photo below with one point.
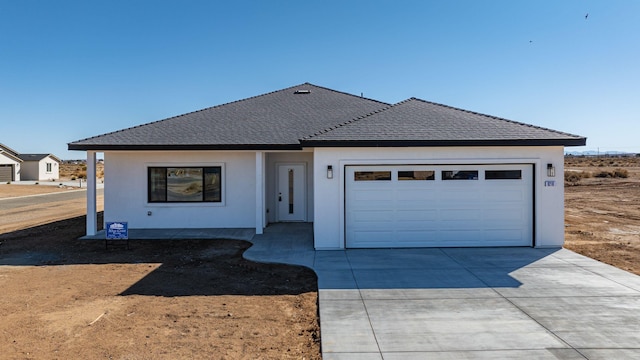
(184, 184)
(417, 175)
(503, 174)
(372, 176)
(49, 167)
(460, 175)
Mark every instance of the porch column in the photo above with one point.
(260, 198)
(92, 214)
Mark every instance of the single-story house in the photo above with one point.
(9, 165)
(368, 174)
(40, 166)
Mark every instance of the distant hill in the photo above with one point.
(599, 153)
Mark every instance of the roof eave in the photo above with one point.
(444, 143)
(182, 147)
(11, 156)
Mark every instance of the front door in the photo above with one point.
(291, 196)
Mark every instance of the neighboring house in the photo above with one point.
(40, 167)
(9, 165)
(366, 173)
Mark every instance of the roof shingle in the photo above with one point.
(36, 157)
(277, 119)
(310, 115)
(418, 122)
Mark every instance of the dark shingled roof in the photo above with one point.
(36, 157)
(274, 120)
(310, 115)
(417, 122)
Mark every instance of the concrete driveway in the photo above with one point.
(463, 303)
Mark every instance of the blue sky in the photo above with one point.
(75, 69)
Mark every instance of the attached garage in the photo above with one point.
(6, 173)
(9, 165)
(439, 205)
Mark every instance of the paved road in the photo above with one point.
(13, 203)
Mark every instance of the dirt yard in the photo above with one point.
(602, 212)
(68, 299)
(12, 190)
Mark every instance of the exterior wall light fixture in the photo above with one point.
(330, 172)
(551, 171)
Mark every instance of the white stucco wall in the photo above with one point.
(126, 190)
(329, 193)
(55, 169)
(37, 170)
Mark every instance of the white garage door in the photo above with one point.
(439, 205)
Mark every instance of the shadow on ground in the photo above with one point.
(187, 267)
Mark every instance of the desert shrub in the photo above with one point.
(73, 178)
(617, 173)
(571, 177)
(574, 177)
(620, 173)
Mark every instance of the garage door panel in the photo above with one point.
(373, 216)
(407, 212)
(506, 195)
(372, 238)
(408, 206)
(460, 215)
(417, 215)
(416, 194)
(467, 225)
(415, 238)
(461, 195)
(373, 204)
(505, 216)
(417, 226)
(375, 194)
(456, 236)
(507, 236)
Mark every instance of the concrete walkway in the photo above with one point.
(463, 303)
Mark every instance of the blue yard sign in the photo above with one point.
(118, 230)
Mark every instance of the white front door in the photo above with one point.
(291, 195)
